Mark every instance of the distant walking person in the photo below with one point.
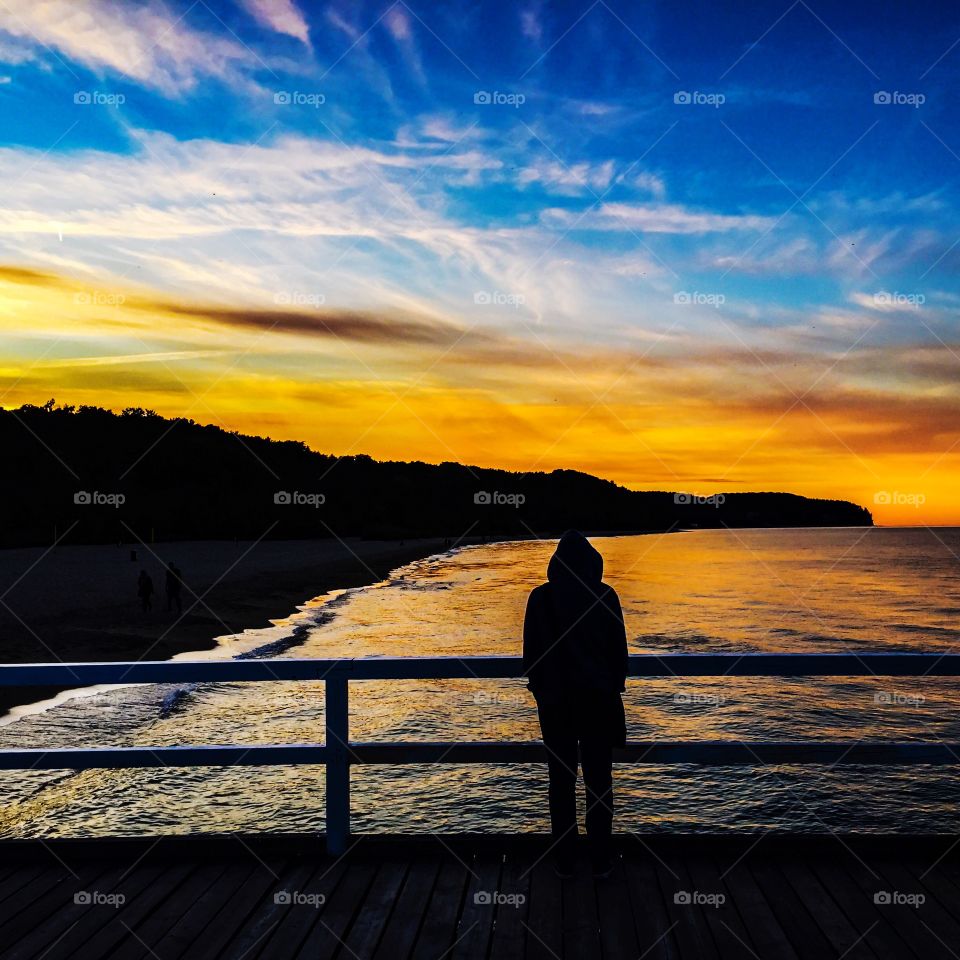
(173, 583)
(575, 656)
(145, 591)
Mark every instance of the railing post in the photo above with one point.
(338, 764)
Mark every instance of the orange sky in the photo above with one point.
(878, 426)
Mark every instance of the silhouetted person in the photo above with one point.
(173, 582)
(145, 591)
(575, 655)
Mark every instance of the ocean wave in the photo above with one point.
(173, 701)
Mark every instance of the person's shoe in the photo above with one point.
(563, 865)
(604, 865)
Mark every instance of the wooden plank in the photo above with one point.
(325, 937)
(238, 913)
(938, 920)
(618, 936)
(581, 926)
(46, 919)
(411, 906)
(731, 936)
(848, 941)
(949, 865)
(439, 928)
(301, 907)
(811, 903)
(866, 873)
(260, 924)
(794, 918)
(26, 900)
(936, 878)
(99, 932)
(17, 879)
(882, 936)
(691, 930)
(510, 927)
(476, 918)
(369, 926)
(178, 938)
(148, 936)
(766, 933)
(544, 930)
(654, 926)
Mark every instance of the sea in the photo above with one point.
(790, 590)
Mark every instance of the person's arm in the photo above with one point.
(531, 635)
(619, 655)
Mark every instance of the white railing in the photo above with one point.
(338, 752)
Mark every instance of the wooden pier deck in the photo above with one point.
(684, 898)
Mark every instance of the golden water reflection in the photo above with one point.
(774, 590)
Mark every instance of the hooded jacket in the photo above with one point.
(574, 641)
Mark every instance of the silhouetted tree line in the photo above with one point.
(91, 476)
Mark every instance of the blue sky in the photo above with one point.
(598, 117)
(274, 153)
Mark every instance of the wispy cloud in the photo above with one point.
(146, 43)
(655, 218)
(281, 16)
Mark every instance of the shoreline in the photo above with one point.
(229, 587)
(237, 586)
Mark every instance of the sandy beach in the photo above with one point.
(73, 603)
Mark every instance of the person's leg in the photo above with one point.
(596, 757)
(597, 760)
(559, 737)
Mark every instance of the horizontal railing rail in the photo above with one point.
(477, 667)
(338, 752)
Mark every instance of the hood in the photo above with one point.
(575, 561)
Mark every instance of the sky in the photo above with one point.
(691, 247)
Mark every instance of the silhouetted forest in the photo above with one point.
(90, 476)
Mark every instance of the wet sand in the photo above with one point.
(78, 603)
